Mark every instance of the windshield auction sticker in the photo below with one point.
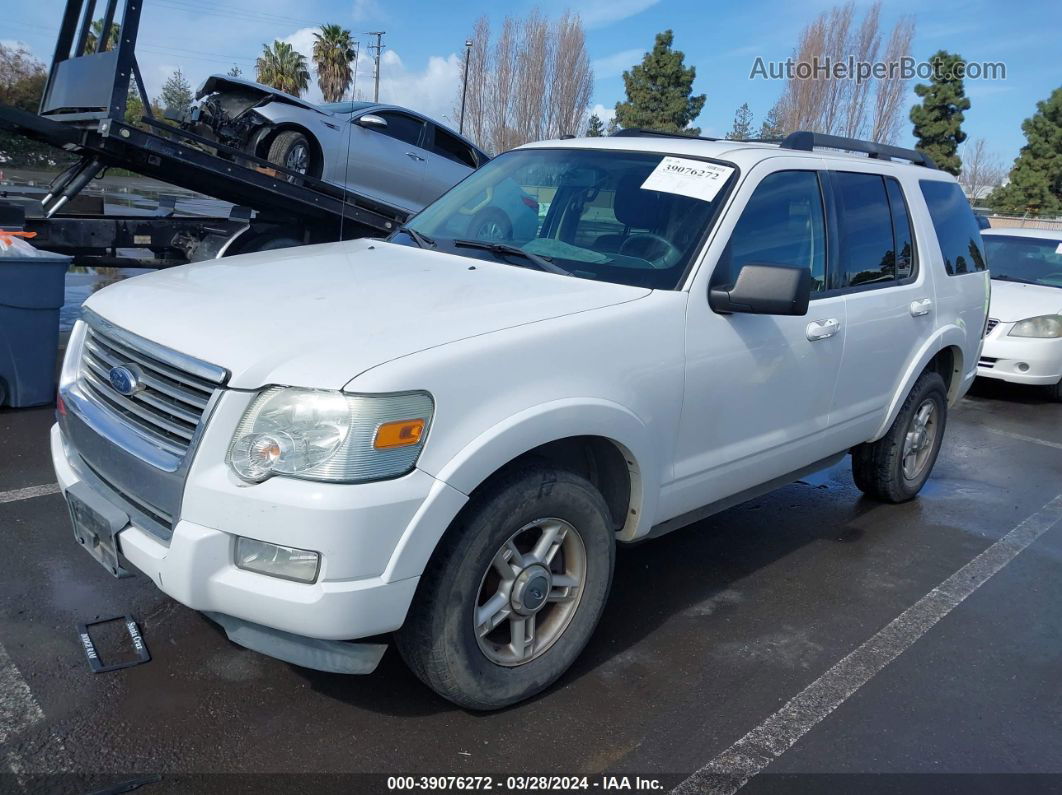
(694, 178)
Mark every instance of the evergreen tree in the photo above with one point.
(235, 71)
(659, 91)
(594, 128)
(742, 129)
(613, 126)
(938, 120)
(1036, 180)
(176, 92)
(770, 128)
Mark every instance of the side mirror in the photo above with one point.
(764, 290)
(372, 121)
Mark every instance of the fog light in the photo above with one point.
(1023, 367)
(287, 563)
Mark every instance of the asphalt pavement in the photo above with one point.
(810, 638)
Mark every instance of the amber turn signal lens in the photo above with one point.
(398, 434)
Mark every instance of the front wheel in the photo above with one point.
(291, 149)
(896, 466)
(514, 593)
(1055, 392)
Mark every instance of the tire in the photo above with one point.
(440, 641)
(291, 149)
(1055, 392)
(881, 470)
(491, 224)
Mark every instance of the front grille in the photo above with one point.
(168, 405)
(992, 323)
(988, 362)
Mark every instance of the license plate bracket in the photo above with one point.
(99, 666)
(97, 524)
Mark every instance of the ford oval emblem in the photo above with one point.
(124, 380)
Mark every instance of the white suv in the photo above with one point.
(445, 437)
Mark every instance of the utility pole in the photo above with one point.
(464, 85)
(378, 46)
(354, 81)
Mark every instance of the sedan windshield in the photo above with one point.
(1032, 260)
(584, 212)
(344, 107)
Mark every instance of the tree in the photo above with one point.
(856, 106)
(22, 79)
(938, 119)
(96, 30)
(283, 67)
(1036, 179)
(613, 127)
(742, 129)
(659, 91)
(595, 128)
(533, 82)
(176, 92)
(981, 170)
(333, 52)
(770, 128)
(235, 71)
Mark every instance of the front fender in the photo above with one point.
(497, 446)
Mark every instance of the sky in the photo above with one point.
(424, 45)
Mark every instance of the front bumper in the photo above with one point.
(195, 566)
(1020, 360)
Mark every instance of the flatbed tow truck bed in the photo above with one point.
(83, 112)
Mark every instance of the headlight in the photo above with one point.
(331, 436)
(1042, 326)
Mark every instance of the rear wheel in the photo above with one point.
(291, 149)
(515, 592)
(895, 467)
(491, 224)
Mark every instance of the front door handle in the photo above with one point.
(823, 329)
(921, 307)
(415, 156)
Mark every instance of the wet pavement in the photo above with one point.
(708, 632)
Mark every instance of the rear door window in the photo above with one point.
(955, 225)
(867, 253)
(901, 230)
(453, 148)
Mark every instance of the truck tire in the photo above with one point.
(291, 149)
(896, 466)
(515, 590)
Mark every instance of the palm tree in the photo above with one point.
(332, 54)
(283, 68)
(96, 30)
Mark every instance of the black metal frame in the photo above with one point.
(807, 142)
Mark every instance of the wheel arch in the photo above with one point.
(266, 141)
(604, 442)
(942, 353)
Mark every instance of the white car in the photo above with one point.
(1023, 343)
(445, 437)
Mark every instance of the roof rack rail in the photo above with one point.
(807, 141)
(639, 132)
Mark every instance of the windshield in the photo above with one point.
(344, 107)
(1032, 260)
(584, 211)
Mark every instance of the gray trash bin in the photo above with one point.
(31, 293)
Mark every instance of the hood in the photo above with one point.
(317, 316)
(224, 82)
(1014, 301)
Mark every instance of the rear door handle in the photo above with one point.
(415, 156)
(822, 329)
(921, 307)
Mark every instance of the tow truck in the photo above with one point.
(83, 111)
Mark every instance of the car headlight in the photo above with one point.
(331, 436)
(1042, 326)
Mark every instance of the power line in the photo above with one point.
(379, 34)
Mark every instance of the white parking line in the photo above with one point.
(1024, 438)
(732, 769)
(18, 708)
(29, 492)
